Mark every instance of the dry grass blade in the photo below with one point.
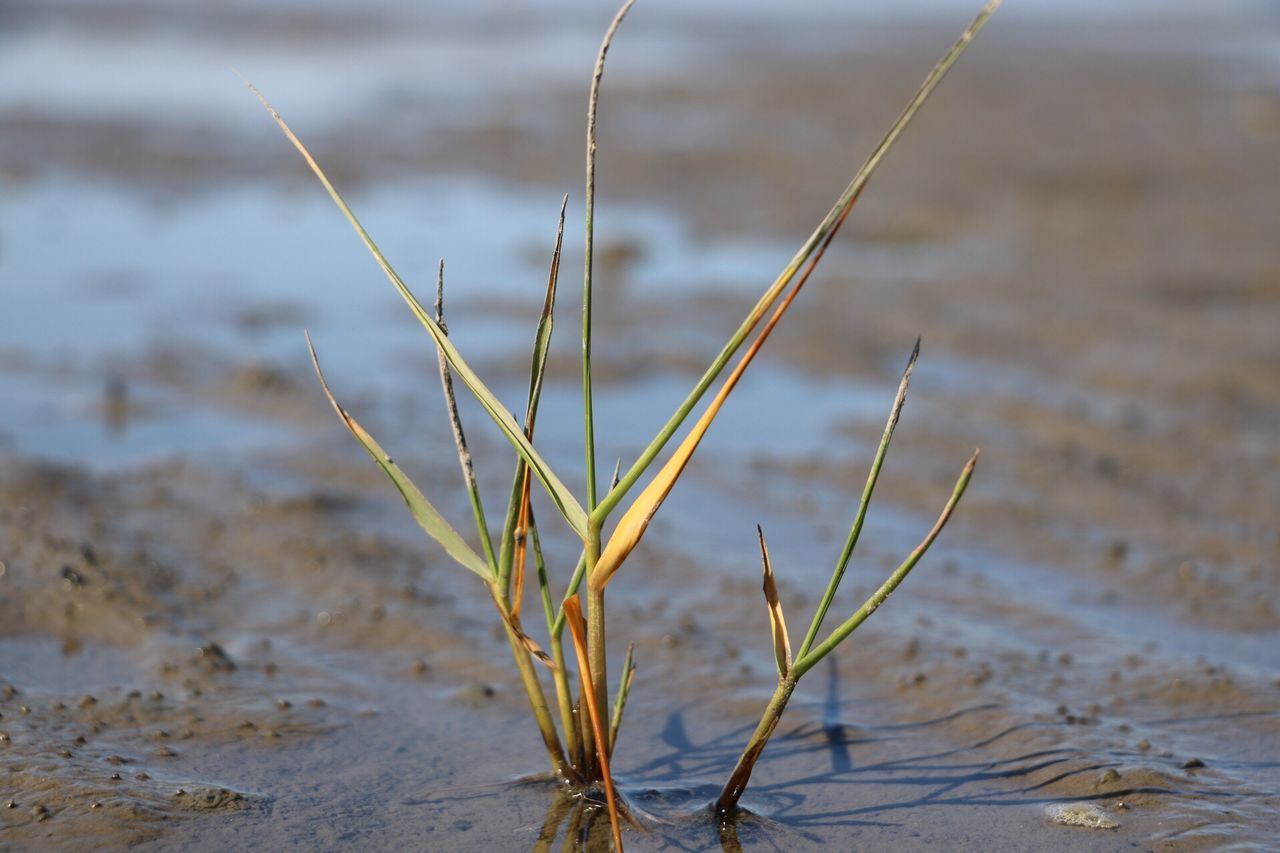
(578, 628)
(563, 499)
(521, 548)
(460, 437)
(837, 213)
(529, 643)
(423, 512)
(781, 642)
(636, 519)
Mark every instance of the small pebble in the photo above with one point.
(284, 704)
(1087, 815)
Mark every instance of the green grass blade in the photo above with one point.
(805, 663)
(820, 234)
(537, 369)
(635, 521)
(459, 436)
(575, 583)
(624, 690)
(560, 676)
(593, 103)
(856, 530)
(560, 495)
(423, 512)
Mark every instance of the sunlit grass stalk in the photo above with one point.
(727, 803)
(518, 640)
(503, 572)
(757, 312)
(569, 722)
(576, 627)
(855, 531)
(596, 647)
(620, 700)
(459, 436)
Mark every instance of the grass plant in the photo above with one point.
(580, 734)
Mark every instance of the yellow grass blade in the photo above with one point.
(822, 233)
(423, 512)
(521, 548)
(636, 519)
(781, 641)
(578, 628)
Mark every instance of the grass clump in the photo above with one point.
(580, 733)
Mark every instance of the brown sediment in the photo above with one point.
(1095, 622)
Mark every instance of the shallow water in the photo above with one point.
(208, 593)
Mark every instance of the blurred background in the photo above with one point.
(1081, 225)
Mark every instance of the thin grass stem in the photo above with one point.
(838, 636)
(635, 521)
(563, 499)
(537, 699)
(560, 676)
(520, 482)
(575, 584)
(856, 530)
(580, 644)
(838, 210)
(459, 436)
(620, 701)
(593, 103)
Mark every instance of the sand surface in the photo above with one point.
(219, 628)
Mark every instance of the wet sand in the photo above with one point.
(219, 628)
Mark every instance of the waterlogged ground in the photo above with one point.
(218, 627)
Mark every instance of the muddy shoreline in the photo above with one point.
(219, 628)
